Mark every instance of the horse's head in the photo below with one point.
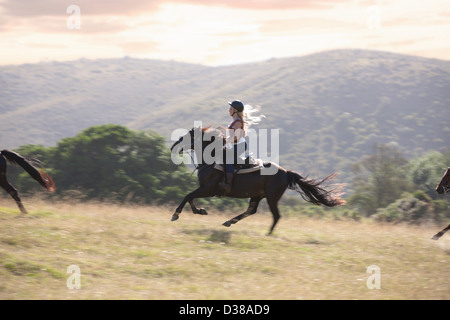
(185, 142)
(444, 185)
(197, 136)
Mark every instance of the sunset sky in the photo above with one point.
(218, 32)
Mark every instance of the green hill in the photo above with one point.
(331, 107)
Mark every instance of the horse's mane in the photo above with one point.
(215, 132)
(212, 129)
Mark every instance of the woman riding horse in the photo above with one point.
(254, 185)
(235, 139)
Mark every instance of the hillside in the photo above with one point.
(330, 107)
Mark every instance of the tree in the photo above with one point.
(426, 172)
(379, 179)
(111, 162)
(91, 160)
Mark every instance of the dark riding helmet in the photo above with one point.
(237, 104)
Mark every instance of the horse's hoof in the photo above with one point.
(203, 212)
(227, 223)
(175, 216)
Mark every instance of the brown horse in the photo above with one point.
(254, 185)
(443, 188)
(40, 176)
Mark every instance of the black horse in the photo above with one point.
(442, 188)
(40, 176)
(252, 185)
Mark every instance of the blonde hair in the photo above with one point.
(250, 116)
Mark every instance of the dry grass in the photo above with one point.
(138, 253)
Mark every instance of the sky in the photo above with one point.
(218, 32)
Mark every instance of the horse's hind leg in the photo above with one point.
(252, 207)
(273, 205)
(12, 192)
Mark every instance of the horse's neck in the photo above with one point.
(199, 156)
(199, 151)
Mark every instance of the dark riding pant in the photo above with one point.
(232, 156)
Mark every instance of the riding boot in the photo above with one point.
(227, 181)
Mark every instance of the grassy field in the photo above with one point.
(138, 253)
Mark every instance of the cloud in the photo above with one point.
(308, 25)
(210, 31)
(27, 8)
(405, 43)
(138, 47)
(267, 4)
(46, 46)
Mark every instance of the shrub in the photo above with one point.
(406, 209)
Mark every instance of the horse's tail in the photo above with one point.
(40, 176)
(312, 191)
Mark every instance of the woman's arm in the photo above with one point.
(238, 131)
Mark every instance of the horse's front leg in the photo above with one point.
(200, 192)
(195, 210)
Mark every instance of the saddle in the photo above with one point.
(250, 165)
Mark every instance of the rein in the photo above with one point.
(198, 167)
